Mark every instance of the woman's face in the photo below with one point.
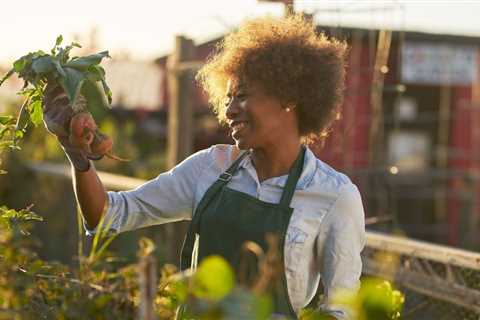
(256, 119)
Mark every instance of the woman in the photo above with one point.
(276, 84)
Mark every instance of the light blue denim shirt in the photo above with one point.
(325, 236)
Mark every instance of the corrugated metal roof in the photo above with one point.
(135, 84)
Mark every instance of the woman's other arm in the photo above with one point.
(340, 249)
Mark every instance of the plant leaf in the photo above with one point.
(36, 114)
(85, 62)
(108, 92)
(59, 68)
(95, 73)
(94, 94)
(59, 40)
(20, 64)
(72, 83)
(5, 120)
(43, 64)
(214, 278)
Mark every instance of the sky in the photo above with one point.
(145, 29)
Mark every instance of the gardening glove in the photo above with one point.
(57, 114)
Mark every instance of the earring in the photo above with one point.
(287, 109)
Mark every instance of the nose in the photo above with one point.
(232, 109)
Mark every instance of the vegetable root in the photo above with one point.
(84, 134)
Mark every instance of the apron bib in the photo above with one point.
(226, 218)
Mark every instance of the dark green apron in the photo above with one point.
(226, 218)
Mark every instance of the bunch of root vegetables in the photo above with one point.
(81, 80)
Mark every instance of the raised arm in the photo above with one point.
(89, 190)
(90, 194)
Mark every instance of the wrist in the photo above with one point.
(78, 161)
(82, 167)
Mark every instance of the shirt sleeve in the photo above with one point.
(167, 198)
(340, 259)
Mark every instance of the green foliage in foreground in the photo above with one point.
(31, 288)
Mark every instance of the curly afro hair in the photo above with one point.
(290, 61)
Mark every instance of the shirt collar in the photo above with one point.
(309, 168)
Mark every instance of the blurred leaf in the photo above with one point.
(375, 300)
(96, 73)
(311, 314)
(107, 90)
(20, 64)
(147, 247)
(5, 120)
(84, 63)
(97, 102)
(36, 113)
(263, 307)
(43, 64)
(59, 68)
(72, 83)
(214, 278)
(59, 40)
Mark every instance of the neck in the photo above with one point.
(275, 160)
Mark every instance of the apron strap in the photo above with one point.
(293, 176)
(193, 229)
(227, 175)
(222, 180)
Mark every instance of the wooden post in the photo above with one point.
(376, 99)
(442, 152)
(180, 113)
(148, 287)
(376, 135)
(180, 128)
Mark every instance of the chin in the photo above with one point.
(242, 144)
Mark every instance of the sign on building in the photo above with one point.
(439, 64)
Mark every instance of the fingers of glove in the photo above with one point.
(57, 112)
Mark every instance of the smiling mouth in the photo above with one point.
(237, 126)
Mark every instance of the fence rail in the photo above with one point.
(442, 278)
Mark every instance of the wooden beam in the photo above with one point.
(424, 250)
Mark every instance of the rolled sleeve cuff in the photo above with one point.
(107, 216)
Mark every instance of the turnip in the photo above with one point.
(76, 79)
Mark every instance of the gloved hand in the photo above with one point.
(57, 114)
